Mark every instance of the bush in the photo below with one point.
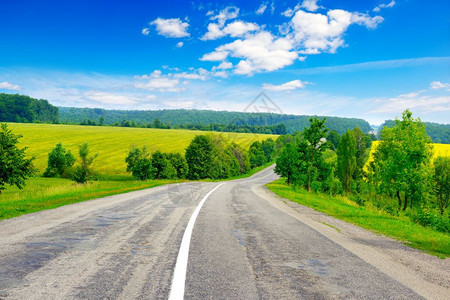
(139, 163)
(432, 219)
(84, 173)
(59, 161)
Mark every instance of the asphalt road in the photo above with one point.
(246, 243)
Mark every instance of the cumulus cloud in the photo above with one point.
(310, 5)
(9, 86)
(262, 8)
(259, 52)
(291, 85)
(174, 28)
(157, 81)
(435, 85)
(379, 7)
(316, 33)
(234, 29)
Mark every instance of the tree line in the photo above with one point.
(402, 178)
(24, 109)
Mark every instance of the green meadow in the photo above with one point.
(112, 145)
(400, 228)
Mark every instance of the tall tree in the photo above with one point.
(403, 160)
(199, 157)
(14, 167)
(346, 160)
(441, 178)
(314, 137)
(139, 163)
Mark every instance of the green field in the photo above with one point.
(112, 143)
(401, 228)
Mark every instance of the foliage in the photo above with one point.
(288, 163)
(333, 138)
(162, 166)
(426, 217)
(20, 108)
(257, 155)
(199, 157)
(346, 160)
(14, 167)
(84, 173)
(58, 161)
(441, 179)
(139, 163)
(241, 156)
(402, 160)
(179, 163)
(315, 144)
(439, 133)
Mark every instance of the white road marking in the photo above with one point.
(179, 275)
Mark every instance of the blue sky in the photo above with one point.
(365, 59)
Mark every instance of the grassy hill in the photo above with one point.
(111, 143)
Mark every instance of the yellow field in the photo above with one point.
(438, 150)
(111, 143)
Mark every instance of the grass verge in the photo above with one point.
(400, 228)
(47, 193)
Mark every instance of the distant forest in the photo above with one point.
(439, 133)
(184, 118)
(24, 109)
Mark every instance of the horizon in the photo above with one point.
(368, 60)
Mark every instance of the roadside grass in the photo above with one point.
(47, 193)
(400, 228)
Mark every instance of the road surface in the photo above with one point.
(245, 243)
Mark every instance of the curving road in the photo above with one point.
(246, 243)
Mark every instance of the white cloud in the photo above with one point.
(435, 85)
(379, 7)
(291, 11)
(262, 8)
(145, 31)
(419, 104)
(173, 28)
(9, 86)
(315, 33)
(235, 29)
(107, 98)
(259, 52)
(224, 65)
(157, 81)
(228, 13)
(199, 74)
(291, 85)
(310, 5)
(179, 44)
(215, 56)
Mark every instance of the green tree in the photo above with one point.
(162, 166)
(199, 157)
(241, 156)
(179, 163)
(14, 167)
(139, 163)
(362, 152)
(268, 147)
(58, 161)
(346, 160)
(314, 137)
(287, 163)
(403, 160)
(333, 138)
(84, 172)
(257, 155)
(441, 180)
